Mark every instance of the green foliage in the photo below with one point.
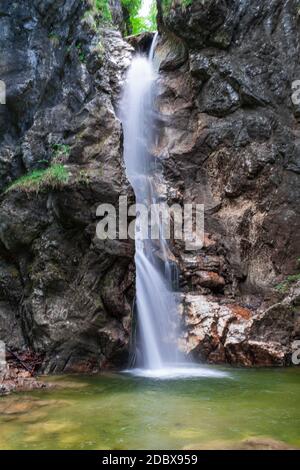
(99, 12)
(137, 24)
(152, 16)
(284, 286)
(131, 6)
(103, 8)
(53, 177)
(130, 10)
(166, 5)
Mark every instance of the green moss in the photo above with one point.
(166, 5)
(284, 286)
(89, 19)
(61, 153)
(53, 177)
(103, 7)
(81, 54)
(98, 14)
(294, 278)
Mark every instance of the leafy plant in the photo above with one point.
(132, 7)
(138, 25)
(103, 7)
(54, 177)
(135, 23)
(153, 16)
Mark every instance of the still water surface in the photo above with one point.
(120, 411)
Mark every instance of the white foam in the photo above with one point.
(178, 373)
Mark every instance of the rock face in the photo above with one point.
(230, 141)
(222, 332)
(63, 293)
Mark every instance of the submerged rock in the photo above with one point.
(16, 380)
(253, 443)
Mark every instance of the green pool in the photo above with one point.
(118, 411)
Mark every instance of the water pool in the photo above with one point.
(234, 409)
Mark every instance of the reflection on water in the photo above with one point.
(242, 409)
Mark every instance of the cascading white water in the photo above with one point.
(157, 354)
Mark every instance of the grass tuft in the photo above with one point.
(53, 177)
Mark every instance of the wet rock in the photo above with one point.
(218, 98)
(253, 443)
(199, 23)
(170, 54)
(141, 42)
(260, 443)
(14, 380)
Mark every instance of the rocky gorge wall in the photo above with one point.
(229, 139)
(63, 294)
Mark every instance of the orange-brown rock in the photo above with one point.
(240, 311)
(210, 279)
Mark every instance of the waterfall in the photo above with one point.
(157, 317)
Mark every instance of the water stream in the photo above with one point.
(155, 300)
(158, 331)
